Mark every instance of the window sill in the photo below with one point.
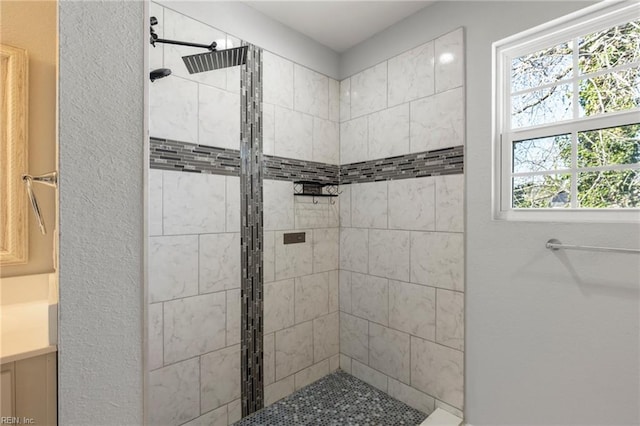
(570, 215)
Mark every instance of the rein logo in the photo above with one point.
(17, 421)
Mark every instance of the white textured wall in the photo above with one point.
(101, 212)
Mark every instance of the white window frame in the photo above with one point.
(594, 18)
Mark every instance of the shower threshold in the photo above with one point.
(338, 399)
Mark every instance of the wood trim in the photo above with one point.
(14, 230)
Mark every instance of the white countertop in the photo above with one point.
(24, 330)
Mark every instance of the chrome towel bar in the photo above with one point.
(554, 244)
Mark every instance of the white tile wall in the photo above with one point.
(411, 75)
(389, 132)
(389, 254)
(294, 133)
(370, 298)
(437, 121)
(311, 92)
(437, 259)
(311, 297)
(353, 140)
(155, 202)
(218, 118)
(156, 344)
(369, 90)
(412, 204)
(389, 352)
(294, 349)
(174, 393)
(326, 249)
(278, 204)
(173, 267)
(278, 305)
(278, 80)
(326, 141)
(369, 205)
(345, 100)
(449, 55)
(173, 109)
(219, 262)
(220, 375)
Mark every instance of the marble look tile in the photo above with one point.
(278, 80)
(220, 375)
(311, 297)
(410, 396)
(311, 212)
(310, 92)
(450, 203)
(369, 90)
(194, 326)
(268, 129)
(389, 352)
(156, 345)
(411, 75)
(293, 260)
(155, 202)
(334, 291)
(218, 118)
(345, 363)
(449, 61)
(326, 141)
(345, 291)
(269, 257)
(389, 254)
(326, 249)
(412, 204)
(438, 121)
(217, 417)
(294, 134)
(193, 203)
(278, 390)
(333, 221)
(173, 109)
(450, 314)
(234, 313)
(334, 363)
(269, 358)
(233, 73)
(278, 204)
(345, 205)
(345, 100)
(233, 204)
(353, 140)
(369, 205)
(180, 27)
(370, 298)
(219, 262)
(311, 374)
(369, 375)
(173, 267)
(326, 336)
(234, 411)
(354, 337)
(334, 100)
(294, 349)
(156, 57)
(354, 249)
(278, 305)
(437, 259)
(437, 370)
(174, 393)
(389, 132)
(405, 300)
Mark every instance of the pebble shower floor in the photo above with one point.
(338, 399)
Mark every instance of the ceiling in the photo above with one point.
(339, 25)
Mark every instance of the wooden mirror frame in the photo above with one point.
(14, 230)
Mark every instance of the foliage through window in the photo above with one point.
(569, 116)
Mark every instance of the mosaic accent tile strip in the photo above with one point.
(279, 168)
(189, 157)
(338, 399)
(445, 161)
(251, 233)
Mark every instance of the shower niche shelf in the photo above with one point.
(315, 189)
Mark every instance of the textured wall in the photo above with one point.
(101, 212)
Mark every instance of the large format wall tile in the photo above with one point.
(269, 358)
(278, 204)
(437, 259)
(234, 317)
(220, 376)
(369, 90)
(389, 254)
(174, 393)
(354, 249)
(354, 337)
(311, 374)
(410, 396)
(345, 206)
(278, 80)
(369, 205)
(370, 298)
(156, 344)
(334, 100)
(412, 308)
(369, 375)
(278, 390)
(326, 336)
(216, 417)
(449, 55)
(173, 109)
(353, 140)
(294, 133)
(412, 204)
(269, 256)
(326, 249)
(389, 132)
(278, 305)
(450, 203)
(345, 291)
(219, 262)
(311, 212)
(155, 202)
(326, 141)
(194, 326)
(233, 204)
(438, 371)
(389, 352)
(438, 121)
(345, 100)
(268, 129)
(193, 203)
(411, 75)
(293, 260)
(450, 311)
(311, 297)
(310, 92)
(294, 349)
(218, 118)
(334, 291)
(173, 267)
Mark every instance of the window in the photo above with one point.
(567, 118)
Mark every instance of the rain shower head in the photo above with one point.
(215, 59)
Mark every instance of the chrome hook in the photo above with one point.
(49, 179)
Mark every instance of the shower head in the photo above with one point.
(159, 73)
(216, 59)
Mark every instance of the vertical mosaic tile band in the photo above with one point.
(251, 234)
